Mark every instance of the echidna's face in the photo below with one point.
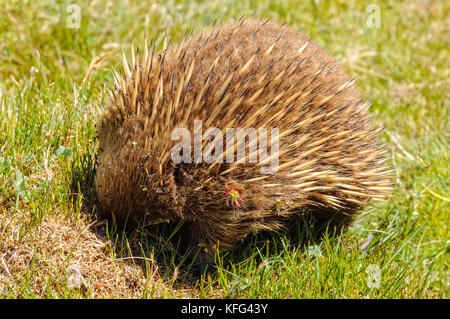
(131, 178)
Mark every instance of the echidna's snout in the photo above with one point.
(122, 197)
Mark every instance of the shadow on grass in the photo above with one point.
(162, 245)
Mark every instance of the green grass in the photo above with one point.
(50, 86)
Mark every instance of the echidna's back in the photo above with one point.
(241, 58)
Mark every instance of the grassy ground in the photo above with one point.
(54, 70)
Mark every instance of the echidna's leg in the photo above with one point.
(205, 239)
(200, 245)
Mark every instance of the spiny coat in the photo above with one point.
(247, 74)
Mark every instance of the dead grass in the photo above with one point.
(56, 247)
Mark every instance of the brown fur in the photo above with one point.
(242, 74)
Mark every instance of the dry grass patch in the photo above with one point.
(65, 258)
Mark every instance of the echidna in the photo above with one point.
(292, 109)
